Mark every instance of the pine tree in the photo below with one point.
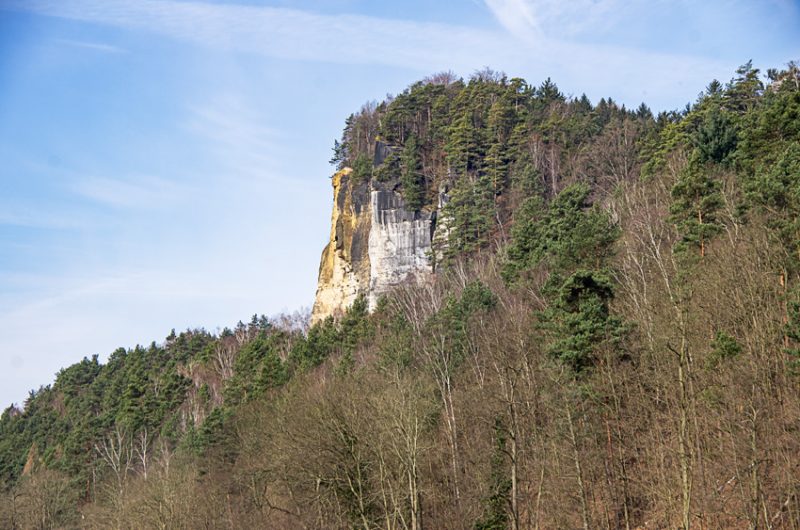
(411, 178)
(643, 112)
(696, 199)
(362, 169)
(462, 145)
(716, 135)
(469, 215)
(580, 320)
(743, 91)
(548, 91)
(339, 155)
(501, 124)
(567, 235)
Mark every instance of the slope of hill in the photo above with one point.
(603, 333)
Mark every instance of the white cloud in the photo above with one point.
(94, 46)
(539, 41)
(516, 16)
(564, 20)
(287, 33)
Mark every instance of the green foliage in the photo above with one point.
(212, 433)
(743, 91)
(389, 169)
(469, 217)
(476, 297)
(567, 234)
(696, 199)
(792, 325)
(396, 346)
(673, 135)
(412, 180)
(548, 92)
(580, 321)
(775, 190)
(723, 347)
(463, 147)
(570, 239)
(768, 129)
(451, 324)
(339, 155)
(362, 168)
(328, 337)
(258, 367)
(716, 137)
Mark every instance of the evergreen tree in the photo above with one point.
(696, 199)
(716, 135)
(469, 216)
(501, 124)
(743, 91)
(643, 112)
(580, 321)
(775, 191)
(362, 169)
(339, 156)
(462, 145)
(566, 235)
(548, 91)
(413, 182)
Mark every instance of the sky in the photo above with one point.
(165, 162)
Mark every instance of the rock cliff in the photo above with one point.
(375, 244)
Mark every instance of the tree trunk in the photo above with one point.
(578, 470)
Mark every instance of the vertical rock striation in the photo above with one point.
(344, 269)
(399, 243)
(375, 244)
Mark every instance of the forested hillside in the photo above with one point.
(611, 340)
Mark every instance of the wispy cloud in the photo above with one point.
(32, 216)
(249, 154)
(527, 43)
(555, 18)
(235, 135)
(93, 46)
(286, 33)
(517, 17)
(134, 192)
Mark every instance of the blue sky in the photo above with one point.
(164, 163)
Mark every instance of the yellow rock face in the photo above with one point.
(375, 245)
(344, 268)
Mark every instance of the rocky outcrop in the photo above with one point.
(344, 269)
(375, 244)
(399, 243)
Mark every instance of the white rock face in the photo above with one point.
(375, 244)
(399, 243)
(341, 291)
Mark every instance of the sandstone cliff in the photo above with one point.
(375, 244)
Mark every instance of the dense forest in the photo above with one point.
(611, 340)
